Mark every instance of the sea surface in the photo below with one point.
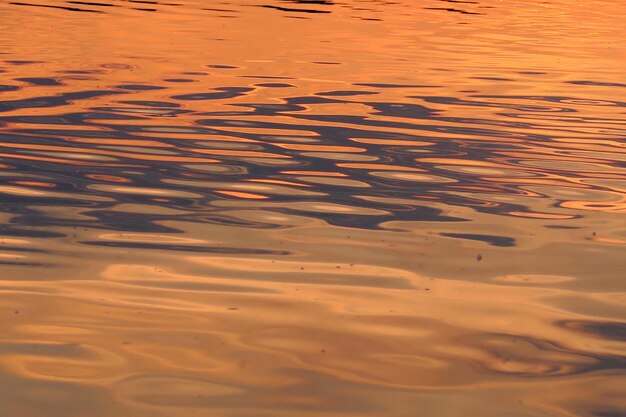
(316, 208)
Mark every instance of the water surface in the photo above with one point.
(312, 208)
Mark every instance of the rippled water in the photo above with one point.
(312, 208)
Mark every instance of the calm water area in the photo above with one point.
(316, 208)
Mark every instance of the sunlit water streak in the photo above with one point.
(312, 208)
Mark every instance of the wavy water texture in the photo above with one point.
(312, 208)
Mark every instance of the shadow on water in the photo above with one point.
(389, 152)
(299, 8)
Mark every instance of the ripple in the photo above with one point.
(312, 207)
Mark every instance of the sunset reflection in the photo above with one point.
(312, 208)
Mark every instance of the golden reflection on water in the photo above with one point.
(312, 208)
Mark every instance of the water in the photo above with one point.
(312, 208)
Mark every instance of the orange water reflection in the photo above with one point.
(312, 208)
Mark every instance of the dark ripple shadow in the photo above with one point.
(526, 357)
(501, 241)
(53, 101)
(608, 330)
(112, 134)
(51, 6)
